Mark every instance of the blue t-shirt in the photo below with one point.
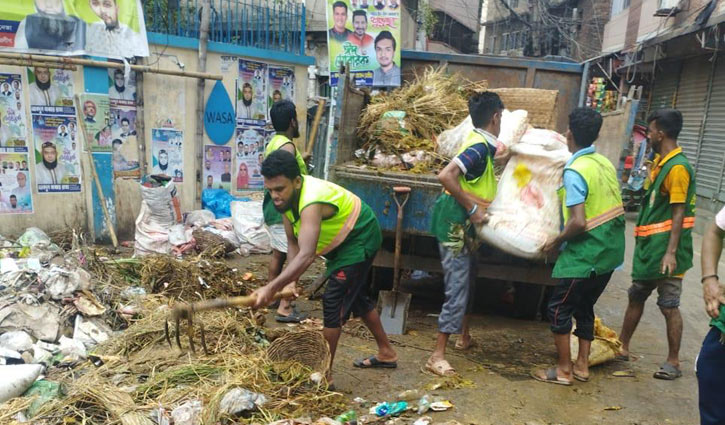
(574, 184)
(473, 160)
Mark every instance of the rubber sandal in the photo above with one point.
(374, 363)
(463, 347)
(668, 372)
(551, 377)
(294, 317)
(440, 368)
(580, 378)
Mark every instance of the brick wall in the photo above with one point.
(594, 15)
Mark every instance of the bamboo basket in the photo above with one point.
(306, 347)
(539, 103)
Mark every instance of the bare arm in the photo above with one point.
(669, 262)
(449, 179)
(576, 225)
(712, 290)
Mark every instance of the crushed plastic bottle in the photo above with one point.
(409, 395)
(424, 404)
(391, 409)
(349, 417)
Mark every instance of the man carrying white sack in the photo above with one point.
(593, 238)
(470, 186)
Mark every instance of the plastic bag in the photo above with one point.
(34, 238)
(238, 400)
(219, 202)
(179, 234)
(199, 218)
(248, 223)
(16, 340)
(188, 413)
(526, 210)
(278, 237)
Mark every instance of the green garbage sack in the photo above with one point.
(46, 391)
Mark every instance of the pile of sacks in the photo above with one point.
(526, 210)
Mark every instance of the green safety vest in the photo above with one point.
(600, 249)
(271, 216)
(335, 229)
(654, 225)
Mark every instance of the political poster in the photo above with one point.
(123, 131)
(50, 87)
(15, 193)
(252, 93)
(13, 126)
(97, 121)
(249, 156)
(365, 34)
(281, 84)
(167, 152)
(57, 153)
(107, 28)
(121, 89)
(217, 167)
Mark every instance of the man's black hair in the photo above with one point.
(668, 121)
(117, 71)
(163, 151)
(280, 163)
(585, 124)
(385, 35)
(360, 12)
(482, 107)
(282, 113)
(125, 119)
(118, 142)
(339, 4)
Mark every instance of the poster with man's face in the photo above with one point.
(124, 145)
(217, 170)
(168, 153)
(365, 35)
(250, 144)
(57, 154)
(281, 84)
(120, 90)
(107, 28)
(96, 118)
(13, 127)
(15, 192)
(50, 87)
(252, 93)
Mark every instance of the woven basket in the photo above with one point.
(539, 103)
(306, 347)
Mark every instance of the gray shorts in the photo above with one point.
(459, 277)
(668, 291)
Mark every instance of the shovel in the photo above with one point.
(395, 304)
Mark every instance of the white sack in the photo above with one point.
(513, 126)
(526, 210)
(248, 222)
(151, 237)
(17, 379)
(160, 201)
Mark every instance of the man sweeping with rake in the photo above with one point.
(324, 219)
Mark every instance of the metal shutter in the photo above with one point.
(691, 99)
(665, 86)
(712, 152)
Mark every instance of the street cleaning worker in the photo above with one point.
(324, 219)
(470, 186)
(710, 367)
(593, 234)
(663, 238)
(284, 119)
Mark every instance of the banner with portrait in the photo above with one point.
(217, 167)
(95, 113)
(123, 131)
(250, 143)
(57, 151)
(107, 28)
(365, 34)
(168, 153)
(13, 125)
(252, 93)
(281, 84)
(15, 193)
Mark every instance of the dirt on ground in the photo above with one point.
(496, 387)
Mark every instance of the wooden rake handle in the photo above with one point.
(242, 301)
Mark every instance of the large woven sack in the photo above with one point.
(526, 210)
(513, 126)
(605, 346)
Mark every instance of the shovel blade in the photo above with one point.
(394, 311)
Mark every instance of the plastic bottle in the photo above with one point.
(348, 417)
(382, 409)
(398, 407)
(424, 404)
(409, 395)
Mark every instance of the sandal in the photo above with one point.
(580, 378)
(294, 317)
(550, 377)
(668, 372)
(462, 346)
(373, 362)
(440, 367)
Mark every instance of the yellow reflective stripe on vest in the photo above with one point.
(346, 228)
(665, 226)
(604, 217)
(482, 203)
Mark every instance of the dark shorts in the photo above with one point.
(668, 291)
(347, 292)
(576, 298)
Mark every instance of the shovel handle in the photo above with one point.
(241, 301)
(399, 232)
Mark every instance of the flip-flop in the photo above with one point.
(551, 377)
(374, 363)
(622, 357)
(668, 372)
(294, 317)
(580, 378)
(440, 368)
(460, 345)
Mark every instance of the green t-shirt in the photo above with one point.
(269, 212)
(448, 218)
(361, 243)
